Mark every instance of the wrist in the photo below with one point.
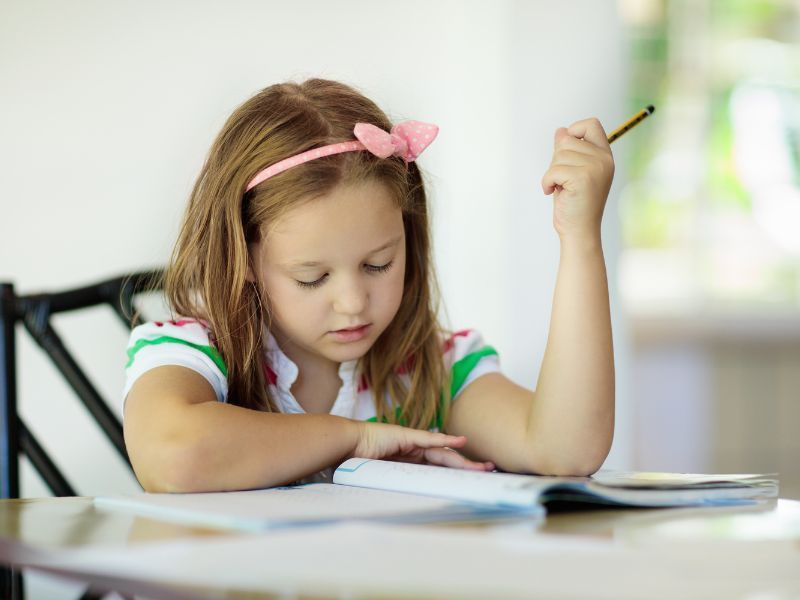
(588, 241)
(355, 433)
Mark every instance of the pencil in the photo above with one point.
(631, 123)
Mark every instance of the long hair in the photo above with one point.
(207, 275)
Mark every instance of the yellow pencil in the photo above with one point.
(630, 123)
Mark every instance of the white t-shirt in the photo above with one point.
(190, 343)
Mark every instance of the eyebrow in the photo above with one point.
(314, 263)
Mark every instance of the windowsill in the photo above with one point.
(778, 327)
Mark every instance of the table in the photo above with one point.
(750, 550)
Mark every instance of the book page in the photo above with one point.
(258, 510)
(499, 489)
(642, 479)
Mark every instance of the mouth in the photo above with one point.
(355, 328)
(351, 334)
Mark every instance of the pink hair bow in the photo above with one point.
(407, 139)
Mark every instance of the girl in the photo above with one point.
(307, 305)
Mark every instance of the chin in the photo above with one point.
(352, 351)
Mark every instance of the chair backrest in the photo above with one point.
(34, 312)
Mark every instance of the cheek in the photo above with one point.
(287, 301)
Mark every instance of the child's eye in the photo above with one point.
(312, 284)
(379, 268)
(321, 280)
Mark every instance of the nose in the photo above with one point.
(351, 296)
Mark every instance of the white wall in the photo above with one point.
(108, 109)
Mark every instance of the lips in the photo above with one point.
(352, 328)
(352, 334)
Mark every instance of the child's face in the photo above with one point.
(355, 236)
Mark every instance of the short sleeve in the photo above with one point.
(185, 343)
(467, 357)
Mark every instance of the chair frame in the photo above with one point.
(34, 312)
(16, 439)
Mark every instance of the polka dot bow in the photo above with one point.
(406, 140)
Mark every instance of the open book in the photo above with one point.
(637, 489)
(385, 491)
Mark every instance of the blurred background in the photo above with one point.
(110, 107)
(709, 271)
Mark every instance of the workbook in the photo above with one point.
(611, 488)
(397, 492)
(302, 505)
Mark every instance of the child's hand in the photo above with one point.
(579, 176)
(393, 442)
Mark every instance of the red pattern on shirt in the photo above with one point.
(269, 374)
(448, 344)
(181, 322)
(451, 341)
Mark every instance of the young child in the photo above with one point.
(305, 305)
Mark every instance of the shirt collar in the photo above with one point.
(287, 371)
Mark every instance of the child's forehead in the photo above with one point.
(368, 201)
(352, 217)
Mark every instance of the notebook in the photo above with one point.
(302, 505)
(618, 488)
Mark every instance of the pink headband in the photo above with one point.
(407, 140)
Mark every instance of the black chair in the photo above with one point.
(34, 312)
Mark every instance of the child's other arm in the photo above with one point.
(181, 439)
(566, 426)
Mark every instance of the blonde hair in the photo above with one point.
(207, 275)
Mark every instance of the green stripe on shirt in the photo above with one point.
(210, 352)
(461, 370)
(463, 367)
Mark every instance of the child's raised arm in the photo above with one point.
(181, 439)
(566, 426)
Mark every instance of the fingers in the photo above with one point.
(378, 440)
(426, 439)
(590, 130)
(444, 457)
(569, 142)
(559, 176)
(420, 446)
(583, 144)
(548, 184)
(570, 158)
(412, 439)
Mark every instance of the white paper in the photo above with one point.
(259, 510)
(497, 489)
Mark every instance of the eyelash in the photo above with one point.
(374, 269)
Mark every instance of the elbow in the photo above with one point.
(577, 467)
(585, 463)
(574, 460)
(583, 467)
(175, 468)
(180, 474)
